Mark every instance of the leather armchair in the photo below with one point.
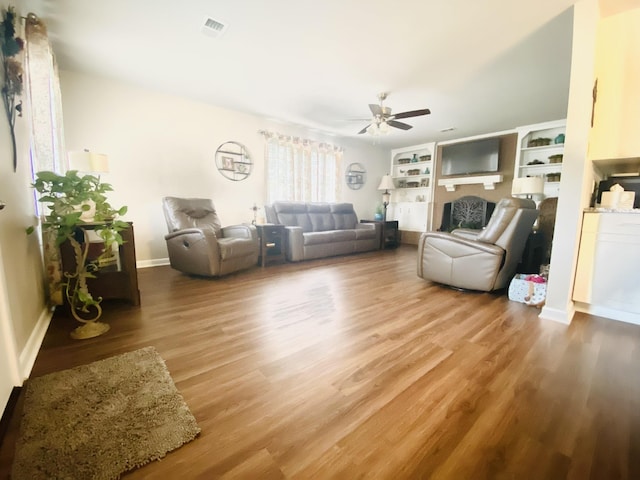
(199, 245)
(485, 259)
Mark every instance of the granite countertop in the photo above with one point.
(611, 210)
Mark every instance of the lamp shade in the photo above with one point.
(86, 161)
(386, 183)
(527, 186)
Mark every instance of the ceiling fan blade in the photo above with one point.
(400, 125)
(375, 109)
(412, 113)
(364, 129)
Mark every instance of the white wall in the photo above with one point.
(162, 145)
(23, 313)
(577, 173)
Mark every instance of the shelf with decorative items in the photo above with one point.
(412, 173)
(540, 154)
(233, 161)
(355, 176)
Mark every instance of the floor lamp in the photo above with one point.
(386, 184)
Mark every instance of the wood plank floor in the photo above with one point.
(354, 367)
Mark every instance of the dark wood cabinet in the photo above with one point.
(118, 281)
(390, 232)
(272, 238)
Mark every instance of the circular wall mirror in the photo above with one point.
(355, 176)
(233, 161)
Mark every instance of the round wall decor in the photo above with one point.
(233, 161)
(355, 176)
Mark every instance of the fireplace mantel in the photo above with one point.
(488, 181)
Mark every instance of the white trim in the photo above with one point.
(479, 137)
(610, 313)
(31, 349)
(154, 262)
(557, 315)
(488, 181)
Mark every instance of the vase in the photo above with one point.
(559, 138)
(378, 217)
(414, 159)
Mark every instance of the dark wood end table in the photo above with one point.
(272, 238)
(390, 232)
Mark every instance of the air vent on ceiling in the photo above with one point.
(213, 28)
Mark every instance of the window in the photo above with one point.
(302, 170)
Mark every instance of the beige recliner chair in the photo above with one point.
(197, 243)
(479, 259)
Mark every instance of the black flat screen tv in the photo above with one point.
(477, 156)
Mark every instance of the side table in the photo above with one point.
(390, 232)
(272, 238)
(110, 283)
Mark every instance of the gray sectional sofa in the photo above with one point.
(317, 230)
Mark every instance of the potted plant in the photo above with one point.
(73, 201)
(379, 215)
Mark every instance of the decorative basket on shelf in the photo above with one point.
(553, 177)
(539, 142)
(555, 158)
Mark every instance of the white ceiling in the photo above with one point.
(480, 66)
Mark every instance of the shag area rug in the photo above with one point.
(100, 420)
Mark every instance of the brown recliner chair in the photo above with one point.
(199, 245)
(479, 259)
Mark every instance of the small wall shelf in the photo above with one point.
(488, 181)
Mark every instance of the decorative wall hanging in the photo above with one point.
(233, 161)
(355, 176)
(10, 47)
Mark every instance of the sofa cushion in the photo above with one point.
(365, 233)
(344, 216)
(330, 236)
(320, 217)
(293, 214)
(233, 247)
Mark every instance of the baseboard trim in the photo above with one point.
(156, 262)
(610, 313)
(30, 351)
(558, 315)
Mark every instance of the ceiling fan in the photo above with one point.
(383, 118)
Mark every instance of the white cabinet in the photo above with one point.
(540, 154)
(608, 271)
(412, 173)
(616, 112)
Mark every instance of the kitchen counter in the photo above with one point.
(610, 210)
(606, 282)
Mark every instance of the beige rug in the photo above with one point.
(100, 420)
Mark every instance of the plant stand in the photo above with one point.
(89, 330)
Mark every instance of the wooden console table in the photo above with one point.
(119, 283)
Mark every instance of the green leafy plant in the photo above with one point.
(68, 199)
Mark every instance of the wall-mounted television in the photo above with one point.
(477, 156)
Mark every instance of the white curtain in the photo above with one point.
(302, 170)
(47, 136)
(45, 104)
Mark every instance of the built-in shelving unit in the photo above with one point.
(412, 172)
(540, 154)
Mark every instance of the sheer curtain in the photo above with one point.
(302, 170)
(45, 105)
(47, 136)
